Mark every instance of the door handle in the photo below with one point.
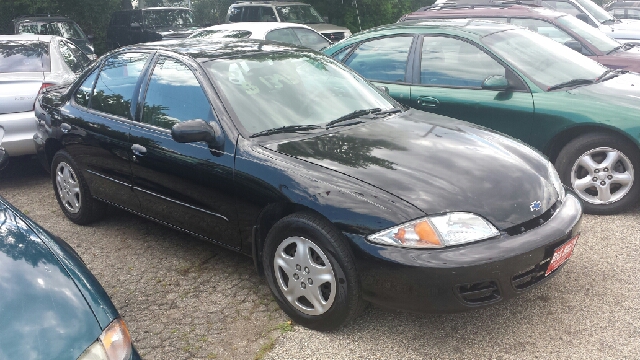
(138, 150)
(428, 101)
(65, 127)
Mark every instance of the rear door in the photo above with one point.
(450, 80)
(189, 186)
(384, 62)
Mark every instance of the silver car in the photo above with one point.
(28, 64)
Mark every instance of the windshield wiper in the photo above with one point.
(388, 111)
(285, 129)
(604, 22)
(610, 73)
(352, 115)
(625, 47)
(573, 82)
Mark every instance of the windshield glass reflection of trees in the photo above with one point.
(65, 29)
(24, 56)
(270, 90)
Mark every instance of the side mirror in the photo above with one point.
(384, 89)
(136, 26)
(495, 82)
(90, 37)
(574, 45)
(583, 17)
(325, 18)
(197, 130)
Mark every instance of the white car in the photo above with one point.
(28, 64)
(289, 33)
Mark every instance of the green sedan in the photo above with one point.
(582, 115)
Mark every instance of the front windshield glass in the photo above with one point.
(543, 60)
(592, 35)
(595, 10)
(65, 29)
(276, 89)
(179, 18)
(299, 14)
(221, 34)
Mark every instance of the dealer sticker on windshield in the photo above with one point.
(562, 254)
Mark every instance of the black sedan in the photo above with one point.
(340, 195)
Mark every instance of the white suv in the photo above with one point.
(285, 11)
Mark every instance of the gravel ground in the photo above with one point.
(185, 298)
(181, 297)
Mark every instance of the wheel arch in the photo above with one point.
(51, 147)
(557, 143)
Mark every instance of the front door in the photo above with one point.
(189, 186)
(450, 83)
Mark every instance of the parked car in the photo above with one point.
(51, 306)
(338, 194)
(135, 26)
(580, 114)
(28, 64)
(624, 31)
(285, 11)
(561, 27)
(3, 154)
(621, 9)
(55, 25)
(295, 34)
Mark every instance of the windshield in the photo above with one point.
(590, 34)
(543, 60)
(595, 10)
(180, 18)
(24, 56)
(66, 29)
(219, 34)
(288, 89)
(299, 14)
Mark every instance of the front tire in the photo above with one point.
(601, 169)
(72, 191)
(311, 272)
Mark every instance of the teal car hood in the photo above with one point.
(43, 315)
(438, 164)
(619, 92)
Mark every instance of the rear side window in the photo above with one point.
(382, 59)
(282, 35)
(173, 95)
(311, 39)
(235, 14)
(116, 84)
(73, 57)
(251, 13)
(24, 56)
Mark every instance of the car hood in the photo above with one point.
(438, 164)
(42, 312)
(626, 59)
(624, 30)
(175, 33)
(621, 93)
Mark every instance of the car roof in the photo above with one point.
(256, 27)
(41, 18)
(274, 3)
(205, 50)
(28, 37)
(464, 27)
(485, 11)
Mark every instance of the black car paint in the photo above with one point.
(263, 179)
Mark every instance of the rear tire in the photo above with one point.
(311, 272)
(72, 191)
(602, 169)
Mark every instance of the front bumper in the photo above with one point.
(464, 277)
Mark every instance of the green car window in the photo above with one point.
(447, 62)
(543, 60)
(382, 59)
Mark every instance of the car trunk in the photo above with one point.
(18, 91)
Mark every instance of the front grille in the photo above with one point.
(479, 293)
(334, 36)
(532, 275)
(535, 222)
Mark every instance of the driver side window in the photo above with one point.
(455, 63)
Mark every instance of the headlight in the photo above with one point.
(437, 231)
(113, 344)
(555, 180)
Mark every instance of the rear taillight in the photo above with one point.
(42, 87)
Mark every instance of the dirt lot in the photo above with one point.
(181, 297)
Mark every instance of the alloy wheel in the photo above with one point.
(68, 187)
(602, 176)
(305, 276)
